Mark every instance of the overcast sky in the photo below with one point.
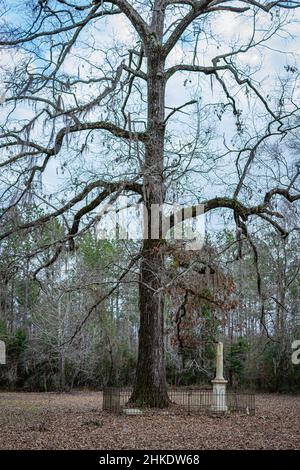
(228, 29)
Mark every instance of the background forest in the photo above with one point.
(57, 339)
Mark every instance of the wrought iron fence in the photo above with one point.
(182, 400)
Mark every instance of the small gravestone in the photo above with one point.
(132, 411)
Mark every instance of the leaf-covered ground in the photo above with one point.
(75, 421)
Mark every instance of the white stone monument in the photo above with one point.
(219, 383)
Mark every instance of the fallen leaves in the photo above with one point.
(76, 421)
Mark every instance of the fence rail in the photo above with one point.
(117, 400)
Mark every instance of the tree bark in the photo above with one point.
(150, 385)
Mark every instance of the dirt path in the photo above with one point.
(75, 421)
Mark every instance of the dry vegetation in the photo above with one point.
(75, 421)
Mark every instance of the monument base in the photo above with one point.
(219, 396)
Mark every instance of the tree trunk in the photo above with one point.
(150, 384)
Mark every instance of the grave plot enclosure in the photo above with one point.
(182, 400)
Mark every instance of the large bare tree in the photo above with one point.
(94, 109)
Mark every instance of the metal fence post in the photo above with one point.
(189, 401)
